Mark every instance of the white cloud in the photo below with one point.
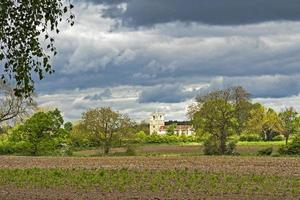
(98, 54)
(124, 99)
(280, 104)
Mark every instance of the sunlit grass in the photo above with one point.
(261, 143)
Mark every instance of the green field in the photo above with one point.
(187, 149)
(262, 143)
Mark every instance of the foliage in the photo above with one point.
(264, 121)
(242, 107)
(141, 136)
(4, 129)
(278, 138)
(221, 113)
(250, 137)
(201, 135)
(81, 138)
(39, 135)
(290, 123)
(142, 126)
(292, 148)
(131, 150)
(171, 129)
(106, 126)
(211, 147)
(25, 27)
(230, 148)
(68, 126)
(265, 152)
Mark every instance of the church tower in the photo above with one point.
(157, 120)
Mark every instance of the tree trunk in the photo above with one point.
(223, 141)
(106, 149)
(268, 135)
(286, 140)
(223, 145)
(35, 150)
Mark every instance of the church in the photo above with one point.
(159, 126)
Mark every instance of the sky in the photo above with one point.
(139, 56)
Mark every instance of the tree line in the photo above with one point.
(222, 114)
(220, 118)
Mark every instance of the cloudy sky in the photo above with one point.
(138, 56)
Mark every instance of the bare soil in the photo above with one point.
(275, 166)
(175, 149)
(11, 193)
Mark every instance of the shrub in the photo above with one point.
(19, 148)
(211, 147)
(292, 137)
(293, 148)
(230, 147)
(64, 150)
(131, 150)
(141, 137)
(265, 152)
(250, 137)
(275, 154)
(278, 138)
(22, 147)
(235, 138)
(6, 148)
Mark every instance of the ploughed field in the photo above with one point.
(171, 177)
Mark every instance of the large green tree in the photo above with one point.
(290, 122)
(105, 125)
(27, 30)
(216, 113)
(42, 132)
(242, 107)
(264, 122)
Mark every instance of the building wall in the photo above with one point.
(157, 120)
(188, 132)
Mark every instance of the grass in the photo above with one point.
(169, 181)
(189, 149)
(262, 143)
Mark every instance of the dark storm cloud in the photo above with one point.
(106, 2)
(154, 58)
(214, 12)
(168, 64)
(259, 87)
(103, 95)
(164, 94)
(277, 86)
